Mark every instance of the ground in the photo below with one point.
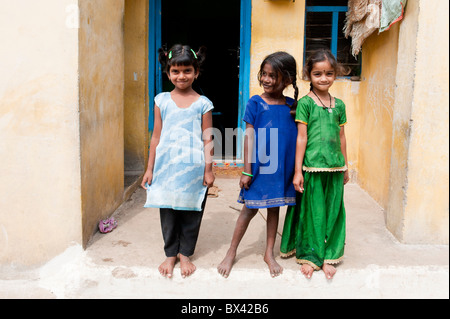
(124, 263)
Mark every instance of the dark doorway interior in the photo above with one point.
(216, 25)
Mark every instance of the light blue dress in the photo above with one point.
(179, 160)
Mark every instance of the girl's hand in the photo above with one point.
(245, 181)
(346, 177)
(208, 179)
(148, 176)
(298, 182)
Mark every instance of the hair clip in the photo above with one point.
(170, 55)
(195, 55)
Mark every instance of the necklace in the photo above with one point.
(324, 107)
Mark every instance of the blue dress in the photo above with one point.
(179, 160)
(273, 161)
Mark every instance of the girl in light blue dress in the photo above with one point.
(179, 169)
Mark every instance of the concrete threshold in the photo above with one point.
(123, 264)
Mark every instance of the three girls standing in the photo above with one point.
(309, 158)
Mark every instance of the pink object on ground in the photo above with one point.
(107, 225)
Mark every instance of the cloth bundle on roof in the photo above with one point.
(392, 11)
(365, 16)
(362, 19)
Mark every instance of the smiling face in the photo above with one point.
(322, 76)
(182, 76)
(271, 81)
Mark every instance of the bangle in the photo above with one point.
(247, 174)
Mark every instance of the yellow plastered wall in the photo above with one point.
(276, 26)
(418, 207)
(376, 99)
(101, 73)
(67, 100)
(427, 218)
(136, 103)
(40, 202)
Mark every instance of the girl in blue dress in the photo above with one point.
(180, 159)
(269, 155)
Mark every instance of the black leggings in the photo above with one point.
(180, 229)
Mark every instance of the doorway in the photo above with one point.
(221, 27)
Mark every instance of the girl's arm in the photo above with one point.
(157, 126)
(302, 140)
(344, 152)
(246, 180)
(208, 179)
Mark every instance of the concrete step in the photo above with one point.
(123, 263)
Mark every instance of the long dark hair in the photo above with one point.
(181, 55)
(285, 65)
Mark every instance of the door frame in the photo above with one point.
(155, 72)
(154, 67)
(244, 73)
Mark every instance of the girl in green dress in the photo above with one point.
(314, 229)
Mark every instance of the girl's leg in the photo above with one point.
(190, 222)
(322, 217)
(291, 226)
(329, 270)
(166, 268)
(272, 228)
(170, 230)
(312, 225)
(242, 223)
(307, 270)
(189, 230)
(335, 229)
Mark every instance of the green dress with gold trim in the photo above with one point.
(314, 229)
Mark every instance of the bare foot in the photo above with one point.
(227, 263)
(307, 270)
(274, 267)
(187, 267)
(166, 268)
(329, 270)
